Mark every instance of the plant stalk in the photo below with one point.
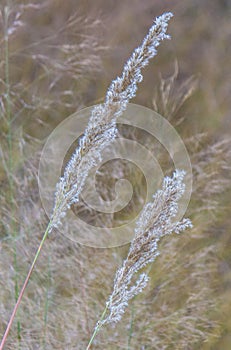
(24, 287)
(97, 328)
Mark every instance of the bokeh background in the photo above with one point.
(58, 57)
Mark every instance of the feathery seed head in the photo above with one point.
(101, 129)
(155, 221)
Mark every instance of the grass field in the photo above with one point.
(58, 57)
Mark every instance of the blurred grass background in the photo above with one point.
(58, 57)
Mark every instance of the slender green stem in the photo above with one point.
(46, 305)
(24, 286)
(131, 328)
(97, 328)
(10, 163)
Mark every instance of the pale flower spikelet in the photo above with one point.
(101, 129)
(155, 221)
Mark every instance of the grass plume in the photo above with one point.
(155, 222)
(100, 131)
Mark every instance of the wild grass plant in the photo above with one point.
(178, 307)
(101, 131)
(19, 98)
